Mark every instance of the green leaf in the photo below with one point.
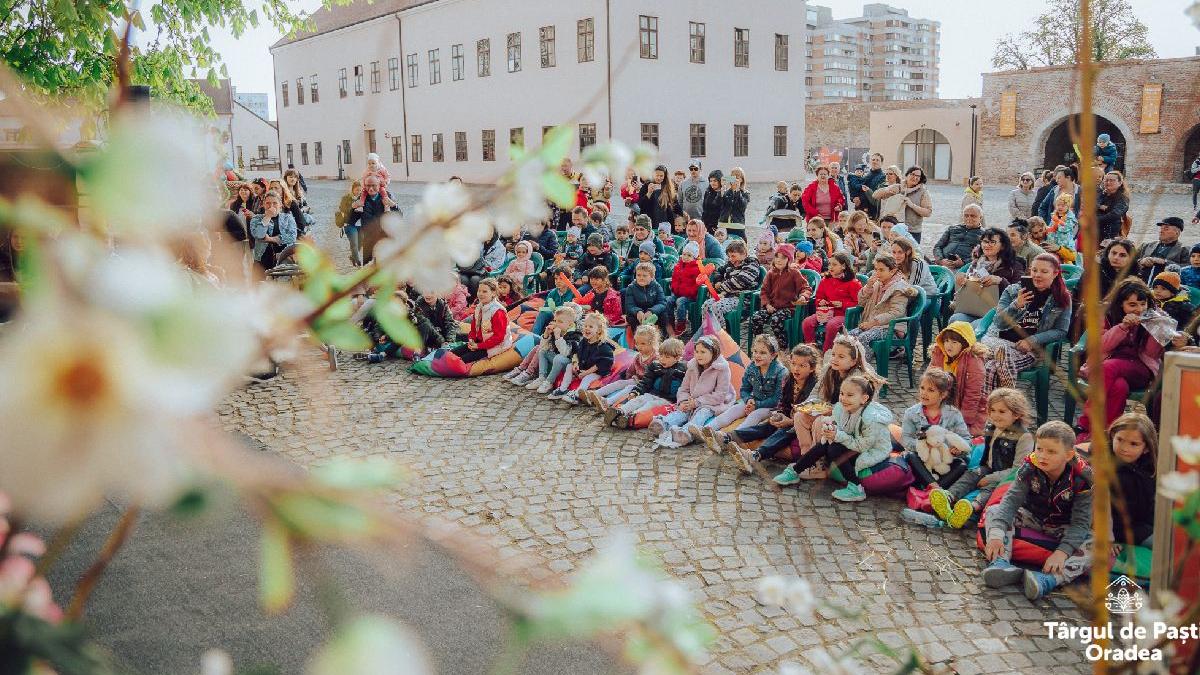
(136, 19)
(359, 474)
(557, 144)
(343, 335)
(191, 503)
(309, 258)
(323, 518)
(1187, 516)
(558, 189)
(393, 318)
(276, 578)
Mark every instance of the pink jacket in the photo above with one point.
(712, 389)
(518, 269)
(1151, 353)
(381, 173)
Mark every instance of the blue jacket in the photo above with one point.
(1190, 276)
(661, 381)
(648, 298)
(1047, 206)
(763, 388)
(599, 354)
(286, 231)
(1052, 326)
(625, 277)
(547, 243)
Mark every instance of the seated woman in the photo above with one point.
(1026, 321)
(912, 265)
(998, 265)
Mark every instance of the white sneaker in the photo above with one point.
(545, 387)
(512, 374)
(657, 426)
(681, 436)
(534, 383)
(557, 394)
(522, 379)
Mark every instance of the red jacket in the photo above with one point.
(831, 289)
(809, 199)
(610, 304)
(968, 377)
(683, 279)
(782, 290)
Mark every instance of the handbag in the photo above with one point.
(892, 206)
(976, 299)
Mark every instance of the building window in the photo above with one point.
(290, 158)
(695, 42)
(304, 154)
(283, 93)
(358, 80)
(262, 151)
(456, 62)
(299, 91)
(371, 147)
(460, 146)
(397, 149)
(394, 73)
(435, 66)
(781, 141)
(648, 36)
(489, 145)
(312, 88)
(546, 45)
(342, 83)
(411, 62)
(585, 30)
(414, 148)
(375, 77)
(346, 159)
(545, 132)
(516, 137)
(318, 156)
(781, 52)
(438, 154)
(698, 135)
(483, 57)
(741, 47)
(741, 140)
(514, 52)
(587, 136)
(650, 134)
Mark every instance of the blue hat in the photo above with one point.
(805, 246)
(1103, 138)
(646, 247)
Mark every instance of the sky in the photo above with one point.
(970, 28)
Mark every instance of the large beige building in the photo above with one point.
(442, 87)
(883, 55)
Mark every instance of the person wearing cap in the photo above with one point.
(1167, 288)
(1153, 257)
(1106, 151)
(1190, 275)
(691, 191)
(685, 284)
(783, 289)
(595, 254)
(643, 230)
(665, 237)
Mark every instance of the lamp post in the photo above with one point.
(974, 135)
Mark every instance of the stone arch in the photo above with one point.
(1188, 150)
(929, 149)
(1044, 131)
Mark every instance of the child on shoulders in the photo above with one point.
(956, 352)
(933, 407)
(706, 391)
(658, 387)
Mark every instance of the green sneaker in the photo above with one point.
(963, 510)
(939, 502)
(787, 477)
(853, 492)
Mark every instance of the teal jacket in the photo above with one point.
(865, 432)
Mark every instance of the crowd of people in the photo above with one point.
(588, 285)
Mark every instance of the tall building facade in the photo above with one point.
(255, 102)
(883, 55)
(442, 88)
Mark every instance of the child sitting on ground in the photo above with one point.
(522, 265)
(1006, 443)
(1134, 443)
(855, 437)
(762, 385)
(784, 289)
(739, 273)
(593, 359)
(934, 395)
(434, 322)
(706, 391)
(658, 387)
(506, 293)
(956, 352)
(488, 335)
(684, 285)
(645, 341)
(778, 429)
(559, 342)
(643, 300)
(1052, 496)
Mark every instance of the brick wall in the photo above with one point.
(1046, 95)
(848, 125)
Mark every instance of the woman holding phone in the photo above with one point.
(997, 265)
(1030, 315)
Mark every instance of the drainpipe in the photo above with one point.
(974, 136)
(608, 60)
(403, 96)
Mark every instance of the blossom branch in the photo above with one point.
(116, 539)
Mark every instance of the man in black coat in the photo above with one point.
(369, 216)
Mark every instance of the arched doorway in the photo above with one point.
(1191, 151)
(1060, 150)
(928, 149)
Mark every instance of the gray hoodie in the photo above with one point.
(691, 196)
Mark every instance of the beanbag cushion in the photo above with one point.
(500, 363)
(643, 419)
(444, 363)
(889, 478)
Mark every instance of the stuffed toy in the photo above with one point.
(936, 449)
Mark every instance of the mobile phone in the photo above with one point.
(1027, 284)
(878, 237)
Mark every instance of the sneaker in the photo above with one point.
(920, 518)
(681, 436)
(714, 439)
(535, 383)
(545, 387)
(815, 472)
(376, 357)
(522, 379)
(939, 501)
(622, 421)
(610, 416)
(1000, 573)
(963, 510)
(694, 430)
(742, 458)
(656, 427)
(853, 492)
(1038, 584)
(787, 477)
(556, 394)
(570, 397)
(512, 374)
(602, 404)
(587, 397)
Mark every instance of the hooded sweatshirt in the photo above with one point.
(712, 389)
(968, 371)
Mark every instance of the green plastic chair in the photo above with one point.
(1075, 360)
(883, 346)
(1072, 275)
(680, 240)
(938, 307)
(795, 325)
(1038, 375)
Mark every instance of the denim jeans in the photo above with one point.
(543, 319)
(551, 364)
(681, 307)
(679, 418)
(642, 403)
(776, 439)
(354, 235)
(616, 389)
(738, 411)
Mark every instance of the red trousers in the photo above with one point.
(832, 328)
(1121, 376)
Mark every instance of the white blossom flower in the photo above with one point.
(799, 597)
(1177, 486)
(371, 645)
(772, 590)
(1187, 449)
(604, 161)
(827, 664)
(793, 668)
(522, 200)
(216, 662)
(644, 157)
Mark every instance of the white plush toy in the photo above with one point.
(936, 449)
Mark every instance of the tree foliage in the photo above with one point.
(1055, 36)
(70, 48)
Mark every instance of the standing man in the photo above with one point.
(862, 189)
(363, 227)
(836, 177)
(691, 191)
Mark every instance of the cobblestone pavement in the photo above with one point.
(546, 483)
